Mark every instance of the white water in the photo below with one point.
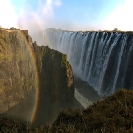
(103, 59)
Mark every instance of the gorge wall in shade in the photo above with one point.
(56, 83)
(103, 59)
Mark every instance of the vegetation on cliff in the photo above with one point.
(113, 114)
(11, 126)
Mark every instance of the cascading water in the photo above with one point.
(103, 59)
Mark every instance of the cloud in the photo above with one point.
(58, 3)
(49, 6)
(8, 16)
(38, 18)
(43, 14)
(24, 15)
(121, 17)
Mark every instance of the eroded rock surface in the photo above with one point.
(17, 74)
(56, 83)
(25, 69)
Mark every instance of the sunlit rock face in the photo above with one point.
(35, 81)
(17, 71)
(103, 59)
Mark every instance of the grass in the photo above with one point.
(114, 114)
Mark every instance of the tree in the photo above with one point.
(115, 29)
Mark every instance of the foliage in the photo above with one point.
(115, 29)
(12, 28)
(11, 126)
(112, 114)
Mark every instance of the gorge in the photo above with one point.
(35, 81)
(101, 58)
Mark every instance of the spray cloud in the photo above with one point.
(28, 15)
(38, 18)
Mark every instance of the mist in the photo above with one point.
(36, 16)
(23, 16)
(43, 17)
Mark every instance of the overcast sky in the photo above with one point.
(67, 14)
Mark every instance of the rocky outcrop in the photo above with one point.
(17, 74)
(33, 79)
(56, 83)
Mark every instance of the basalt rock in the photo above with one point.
(28, 72)
(56, 83)
(17, 74)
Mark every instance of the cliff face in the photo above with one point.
(17, 74)
(25, 69)
(56, 83)
(55, 74)
(102, 58)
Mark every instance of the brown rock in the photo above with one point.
(18, 79)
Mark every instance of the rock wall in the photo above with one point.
(26, 69)
(56, 83)
(17, 74)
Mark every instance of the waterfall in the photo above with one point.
(103, 59)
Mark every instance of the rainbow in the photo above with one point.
(37, 82)
(29, 47)
(23, 34)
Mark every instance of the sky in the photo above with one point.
(67, 14)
